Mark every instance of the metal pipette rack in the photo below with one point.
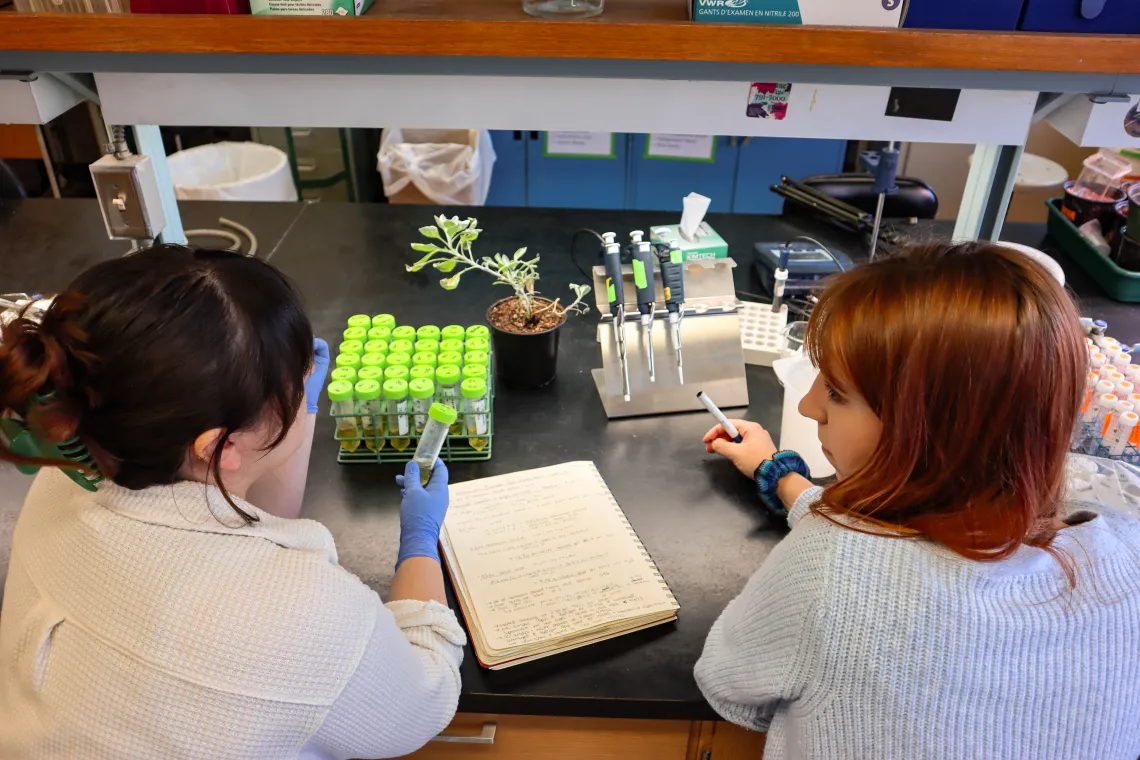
(710, 328)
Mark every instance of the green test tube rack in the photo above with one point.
(378, 446)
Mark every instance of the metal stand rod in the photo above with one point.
(149, 141)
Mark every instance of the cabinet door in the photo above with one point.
(561, 181)
(764, 159)
(659, 184)
(508, 178)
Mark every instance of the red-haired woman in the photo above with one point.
(938, 602)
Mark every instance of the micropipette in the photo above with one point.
(673, 282)
(615, 293)
(716, 412)
(646, 292)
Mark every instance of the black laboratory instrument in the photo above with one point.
(673, 284)
(615, 295)
(642, 261)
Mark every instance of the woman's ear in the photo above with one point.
(204, 445)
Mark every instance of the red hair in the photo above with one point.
(973, 358)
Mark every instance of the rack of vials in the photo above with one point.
(386, 378)
(1109, 422)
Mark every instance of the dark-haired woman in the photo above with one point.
(176, 612)
(941, 601)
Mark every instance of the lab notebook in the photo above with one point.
(544, 561)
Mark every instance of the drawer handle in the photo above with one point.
(486, 736)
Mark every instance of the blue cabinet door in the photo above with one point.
(660, 184)
(508, 178)
(1084, 16)
(764, 159)
(994, 15)
(576, 182)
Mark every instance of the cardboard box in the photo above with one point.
(886, 13)
(708, 245)
(309, 7)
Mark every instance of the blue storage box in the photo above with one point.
(981, 15)
(1085, 16)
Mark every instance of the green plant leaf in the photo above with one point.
(449, 283)
(445, 266)
(427, 247)
(430, 232)
(520, 253)
(420, 264)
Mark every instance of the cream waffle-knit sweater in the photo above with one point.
(136, 624)
(845, 646)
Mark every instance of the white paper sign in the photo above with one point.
(596, 144)
(684, 147)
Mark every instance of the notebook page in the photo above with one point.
(548, 553)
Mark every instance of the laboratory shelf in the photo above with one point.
(629, 30)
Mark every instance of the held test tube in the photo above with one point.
(716, 412)
(440, 418)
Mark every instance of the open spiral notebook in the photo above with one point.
(544, 561)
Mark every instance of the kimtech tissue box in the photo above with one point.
(707, 244)
(820, 12)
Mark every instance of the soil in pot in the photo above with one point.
(506, 315)
(526, 355)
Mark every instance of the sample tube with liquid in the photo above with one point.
(450, 357)
(372, 360)
(448, 345)
(440, 418)
(477, 371)
(348, 360)
(477, 331)
(355, 333)
(370, 373)
(422, 371)
(376, 347)
(421, 391)
(404, 332)
(477, 358)
(397, 372)
(401, 347)
(400, 359)
(428, 332)
(350, 347)
(380, 333)
(396, 408)
(427, 346)
(384, 320)
(423, 359)
(344, 412)
(447, 379)
(453, 332)
(360, 320)
(475, 411)
(348, 374)
(370, 411)
(477, 344)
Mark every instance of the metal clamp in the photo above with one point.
(486, 736)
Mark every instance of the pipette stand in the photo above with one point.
(710, 341)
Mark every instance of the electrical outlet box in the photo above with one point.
(127, 189)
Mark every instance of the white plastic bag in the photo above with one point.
(796, 373)
(449, 167)
(232, 171)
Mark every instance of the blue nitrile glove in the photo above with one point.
(316, 379)
(421, 511)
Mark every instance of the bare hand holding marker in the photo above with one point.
(755, 446)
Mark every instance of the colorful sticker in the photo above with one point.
(769, 100)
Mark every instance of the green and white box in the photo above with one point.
(706, 245)
(309, 7)
(817, 12)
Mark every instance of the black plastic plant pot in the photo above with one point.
(524, 361)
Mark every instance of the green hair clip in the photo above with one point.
(75, 460)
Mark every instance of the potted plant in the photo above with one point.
(525, 326)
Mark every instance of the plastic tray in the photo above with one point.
(760, 333)
(1120, 284)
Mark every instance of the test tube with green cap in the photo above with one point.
(396, 407)
(427, 346)
(355, 333)
(384, 320)
(477, 371)
(371, 373)
(422, 370)
(421, 390)
(347, 374)
(347, 426)
(477, 344)
(474, 393)
(401, 346)
(380, 333)
(440, 417)
(447, 379)
(451, 344)
(373, 360)
(423, 359)
(400, 359)
(450, 357)
(453, 332)
(360, 320)
(350, 347)
(396, 372)
(370, 410)
(376, 347)
(428, 332)
(481, 358)
(477, 331)
(404, 332)
(348, 360)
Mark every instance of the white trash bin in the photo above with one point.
(447, 167)
(232, 171)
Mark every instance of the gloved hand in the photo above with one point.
(316, 379)
(746, 455)
(421, 511)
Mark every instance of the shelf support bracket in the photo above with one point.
(148, 138)
(989, 186)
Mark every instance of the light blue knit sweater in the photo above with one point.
(845, 646)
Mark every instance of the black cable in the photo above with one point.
(574, 247)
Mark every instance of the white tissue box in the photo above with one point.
(707, 245)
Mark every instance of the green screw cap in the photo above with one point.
(423, 360)
(356, 333)
(421, 388)
(348, 360)
(447, 374)
(475, 370)
(478, 344)
(350, 347)
(380, 333)
(451, 344)
(427, 346)
(396, 372)
(366, 390)
(453, 332)
(428, 332)
(401, 346)
(371, 373)
(384, 320)
(424, 371)
(372, 360)
(360, 320)
(346, 374)
(340, 390)
(442, 413)
(477, 357)
(473, 388)
(400, 359)
(451, 357)
(376, 347)
(404, 332)
(396, 389)
(478, 331)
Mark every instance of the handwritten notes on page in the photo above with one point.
(545, 559)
